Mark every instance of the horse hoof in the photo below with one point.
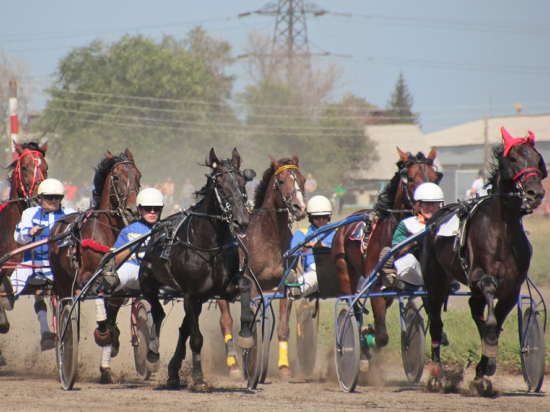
(200, 387)
(48, 341)
(482, 387)
(364, 366)
(106, 376)
(173, 383)
(285, 374)
(491, 367)
(102, 339)
(246, 342)
(115, 349)
(434, 369)
(235, 373)
(434, 385)
(2, 361)
(4, 327)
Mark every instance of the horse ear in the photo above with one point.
(109, 155)
(274, 163)
(295, 159)
(507, 137)
(236, 159)
(542, 168)
(531, 138)
(403, 155)
(432, 154)
(44, 148)
(505, 168)
(18, 148)
(129, 154)
(213, 159)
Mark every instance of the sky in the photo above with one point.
(460, 60)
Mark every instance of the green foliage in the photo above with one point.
(165, 101)
(400, 104)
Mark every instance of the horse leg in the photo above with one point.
(226, 324)
(179, 355)
(489, 341)
(477, 309)
(246, 339)
(4, 322)
(283, 333)
(113, 306)
(149, 288)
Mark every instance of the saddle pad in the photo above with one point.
(357, 232)
(2, 206)
(449, 228)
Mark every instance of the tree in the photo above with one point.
(13, 69)
(400, 104)
(166, 101)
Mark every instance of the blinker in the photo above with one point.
(249, 174)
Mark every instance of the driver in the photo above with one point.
(35, 225)
(150, 202)
(319, 212)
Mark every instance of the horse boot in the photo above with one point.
(4, 322)
(8, 299)
(388, 275)
(294, 292)
(234, 370)
(47, 341)
(246, 339)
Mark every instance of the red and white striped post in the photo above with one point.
(14, 118)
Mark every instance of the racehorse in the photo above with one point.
(496, 255)
(201, 262)
(278, 201)
(27, 172)
(117, 182)
(394, 204)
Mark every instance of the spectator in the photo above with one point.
(186, 196)
(71, 190)
(477, 185)
(339, 193)
(168, 190)
(310, 185)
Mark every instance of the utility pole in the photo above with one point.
(486, 143)
(14, 119)
(290, 40)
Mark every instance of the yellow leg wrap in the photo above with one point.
(231, 361)
(228, 338)
(283, 354)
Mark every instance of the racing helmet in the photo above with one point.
(51, 187)
(319, 206)
(429, 192)
(150, 197)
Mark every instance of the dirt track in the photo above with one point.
(29, 381)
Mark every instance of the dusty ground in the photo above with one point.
(29, 381)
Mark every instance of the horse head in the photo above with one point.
(29, 169)
(230, 188)
(415, 170)
(122, 185)
(290, 182)
(522, 165)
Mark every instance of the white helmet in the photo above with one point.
(319, 206)
(429, 192)
(51, 187)
(150, 197)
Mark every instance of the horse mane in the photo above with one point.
(101, 172)
(261, 189)
(386, 199)
(34, 146)
(201, 193)
(496, 154)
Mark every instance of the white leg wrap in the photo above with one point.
(100, 311)
(43, 320)
(106, 356)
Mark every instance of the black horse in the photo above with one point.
(200, 259)
(496, 253)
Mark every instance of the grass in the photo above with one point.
(538, 229)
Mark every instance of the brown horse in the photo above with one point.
(28, 171)
(394, 204)
(117, 182)
(278, 200)
(496, 255)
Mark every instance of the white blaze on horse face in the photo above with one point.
(299, 195)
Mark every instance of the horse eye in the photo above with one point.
(513, 159)
(24, 168)
(281, 182)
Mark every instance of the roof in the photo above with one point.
(408, 137)
(473, 133)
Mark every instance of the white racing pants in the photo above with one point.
(21, 276)
(408, 270)
(128, 274)
(308, 281)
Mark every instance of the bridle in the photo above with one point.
(520, 179)
(38, 176)
(122, 199)
(404, 174)
(295, 189)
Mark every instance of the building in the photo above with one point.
(461, 149)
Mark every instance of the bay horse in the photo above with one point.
(496, 255)
(278, 200)
(201, 262)
(27, 172)
(394, 204)
(94, 232)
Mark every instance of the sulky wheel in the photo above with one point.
(306, 336)
(144, 321)
(413, 344)
(67, 347)
(267, 334)
(347, 353)
(533, 350)
(252, 358)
